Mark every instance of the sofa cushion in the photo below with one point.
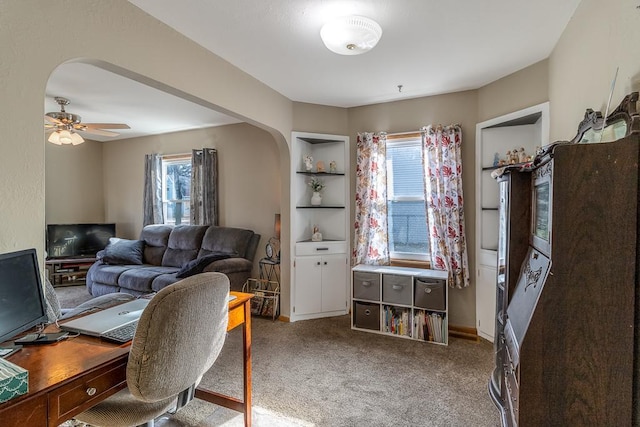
(109, 274)
(123, 251)
(226, 240)
(197, 265)
(184, 245)
(140, 279)
(156, 240)
(162, 281)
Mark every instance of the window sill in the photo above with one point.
(395, 262)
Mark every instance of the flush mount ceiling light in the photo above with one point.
(351, 35)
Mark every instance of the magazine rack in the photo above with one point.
(266, 302)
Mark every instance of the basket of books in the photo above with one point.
(266, 302)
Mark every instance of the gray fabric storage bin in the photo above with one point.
(396, 289)
(366, 316)
(366, 285)
(430, 293)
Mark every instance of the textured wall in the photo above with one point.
(409, 116)
(128, 41)
(601, 36)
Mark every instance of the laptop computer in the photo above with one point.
(98, 323)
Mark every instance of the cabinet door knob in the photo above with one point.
(427, 290)
(318, 263)
(325, 263)
(396, 287)
(367, 312)
(91, 391)
(366, 284)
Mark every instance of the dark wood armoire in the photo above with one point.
(567, 287)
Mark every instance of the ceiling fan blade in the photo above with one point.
(98, 132)
(52, 120)
(106, 125)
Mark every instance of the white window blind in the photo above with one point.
(407, 221)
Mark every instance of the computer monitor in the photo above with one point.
(22, 301)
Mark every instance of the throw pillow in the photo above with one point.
(198, 265)
(123, 251)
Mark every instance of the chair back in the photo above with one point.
(179, 336)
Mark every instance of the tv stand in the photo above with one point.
(68, 271)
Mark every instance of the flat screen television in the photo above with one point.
(77, 240)
(22, 302)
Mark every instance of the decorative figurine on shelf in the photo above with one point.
(316, 236)
(332, 166)
(496, 159)
(522, 156)
(513, 159)
(320, 166)
(308, 162)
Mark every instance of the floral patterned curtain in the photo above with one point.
(371, 244)
(152, 199)
(442, 162)
(204, 187)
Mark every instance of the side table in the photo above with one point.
(270, 269)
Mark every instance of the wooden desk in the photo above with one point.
(71, 376)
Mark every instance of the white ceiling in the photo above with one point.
(427, 46)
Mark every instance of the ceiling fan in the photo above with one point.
(63, 126)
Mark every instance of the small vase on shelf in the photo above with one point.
(316, 199)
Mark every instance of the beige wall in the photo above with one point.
(320, 119)
(114, 34)
(74, 185)
(522, 89)
(249, 176)
(601, 36)
(410, 116)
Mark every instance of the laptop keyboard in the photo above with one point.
(122, 334)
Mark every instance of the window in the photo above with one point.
(176, 184)
(407, 217)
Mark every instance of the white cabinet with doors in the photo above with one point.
(320, 269)
(528, 129)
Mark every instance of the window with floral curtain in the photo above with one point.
(371, 244)
(442, 161)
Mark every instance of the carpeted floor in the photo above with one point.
(321, 373)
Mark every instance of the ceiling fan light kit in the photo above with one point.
(64, 126)
(63, 137)
(351, 35)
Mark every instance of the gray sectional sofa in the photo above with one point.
(165, 254)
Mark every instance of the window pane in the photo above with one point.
(408, 232)
(178, 181)
(176, 191)
(406, 170)
(408, 227)
(176, 213)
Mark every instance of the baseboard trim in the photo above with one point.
(464, 332)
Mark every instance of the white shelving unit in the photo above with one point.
(528, 128)
(320, 273)
(405, 302)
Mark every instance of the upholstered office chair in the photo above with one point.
(179, 336)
